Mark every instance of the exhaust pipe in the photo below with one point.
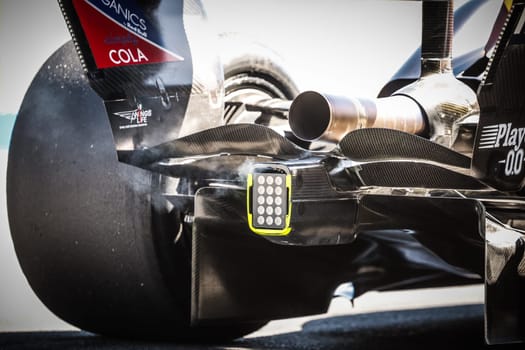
(320, 117)
(435, 104)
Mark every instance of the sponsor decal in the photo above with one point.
(119, 34)
(126, 16)
(136, 117)
(504, 135)
(127, 55)
(122, 40)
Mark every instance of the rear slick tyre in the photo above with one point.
(94, 240)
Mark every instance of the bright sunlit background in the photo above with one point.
(334, 46)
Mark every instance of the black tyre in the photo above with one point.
(252, 71)
(94, 239)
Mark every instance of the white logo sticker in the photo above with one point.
(502, 136)
(137, 117)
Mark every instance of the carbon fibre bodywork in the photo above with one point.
(396, 252)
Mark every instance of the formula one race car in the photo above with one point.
(158, 189)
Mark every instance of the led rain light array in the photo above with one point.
(269, 200)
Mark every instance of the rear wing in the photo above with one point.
(499, 150)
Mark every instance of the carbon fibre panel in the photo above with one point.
(246, 139)
(381, 144)
(413, 174)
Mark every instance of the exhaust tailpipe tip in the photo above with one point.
(310, 115)
(320, 117)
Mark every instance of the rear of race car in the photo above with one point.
(193, 227)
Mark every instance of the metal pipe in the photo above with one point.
(446, 100)
(315, 116)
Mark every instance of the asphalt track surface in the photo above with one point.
(440, 327)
